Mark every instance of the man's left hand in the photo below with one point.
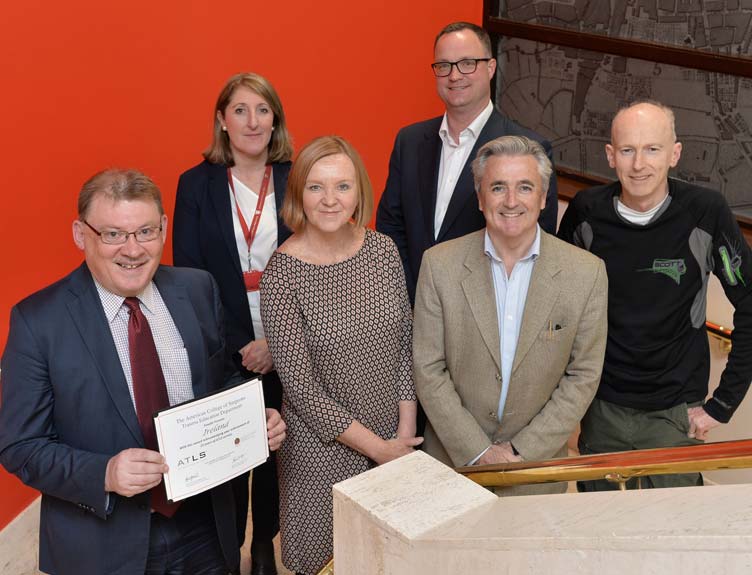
(276, 428)
(700, 423)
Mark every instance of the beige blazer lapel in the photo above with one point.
(541, 296)
(479, 293)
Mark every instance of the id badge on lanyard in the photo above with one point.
(251, 278)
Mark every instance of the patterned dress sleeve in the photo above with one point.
(404, 375)
(285, 333)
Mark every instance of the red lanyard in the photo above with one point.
(249, 234)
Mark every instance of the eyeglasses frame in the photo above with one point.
(127, 235)
(456, 65)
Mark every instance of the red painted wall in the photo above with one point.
(89, 84)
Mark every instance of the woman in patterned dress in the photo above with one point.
(339, 326)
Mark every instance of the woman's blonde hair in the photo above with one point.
(292, 209)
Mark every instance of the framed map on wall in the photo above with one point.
(566, 66)
(720, 26)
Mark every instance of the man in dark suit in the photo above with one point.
(72, 422)
(429, 196)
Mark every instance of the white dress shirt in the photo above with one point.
(454, 155)
(173, 357)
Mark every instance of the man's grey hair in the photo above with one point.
(512, 146)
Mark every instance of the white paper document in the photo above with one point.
(212, 439)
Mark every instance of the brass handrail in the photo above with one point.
(719, 331)
(617, 467)
(722, 334)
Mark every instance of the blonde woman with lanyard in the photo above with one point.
(227, 222)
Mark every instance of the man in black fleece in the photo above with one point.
(660, 239)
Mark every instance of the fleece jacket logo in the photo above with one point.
(674, 269)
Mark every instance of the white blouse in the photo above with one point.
(264, 243)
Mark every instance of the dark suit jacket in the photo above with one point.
(203, 237)
(66, 411)
(407, 206)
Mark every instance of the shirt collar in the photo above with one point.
(112, 302)
(475, 126)
(532, 253)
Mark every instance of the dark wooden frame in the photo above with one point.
(639, 49)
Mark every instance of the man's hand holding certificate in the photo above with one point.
(212, 439)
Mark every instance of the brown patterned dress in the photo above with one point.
(340, 336)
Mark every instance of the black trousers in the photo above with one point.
(264, 494)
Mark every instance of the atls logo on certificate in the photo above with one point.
(212, 439)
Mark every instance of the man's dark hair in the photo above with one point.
(482, 35)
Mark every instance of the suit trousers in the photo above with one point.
(264, 493)
(186, 543)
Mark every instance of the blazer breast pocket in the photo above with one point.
(554, 347)
(556, 332)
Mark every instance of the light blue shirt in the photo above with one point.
(511, 294)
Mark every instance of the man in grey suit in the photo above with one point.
(510, 324)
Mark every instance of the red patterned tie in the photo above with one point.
(149, 389)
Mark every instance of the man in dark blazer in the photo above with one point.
(429, 196)
(68, 421)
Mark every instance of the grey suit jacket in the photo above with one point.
(456, 355)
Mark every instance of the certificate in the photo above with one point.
(210, 440)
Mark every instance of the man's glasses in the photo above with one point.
(117, 237)
(466, 66)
